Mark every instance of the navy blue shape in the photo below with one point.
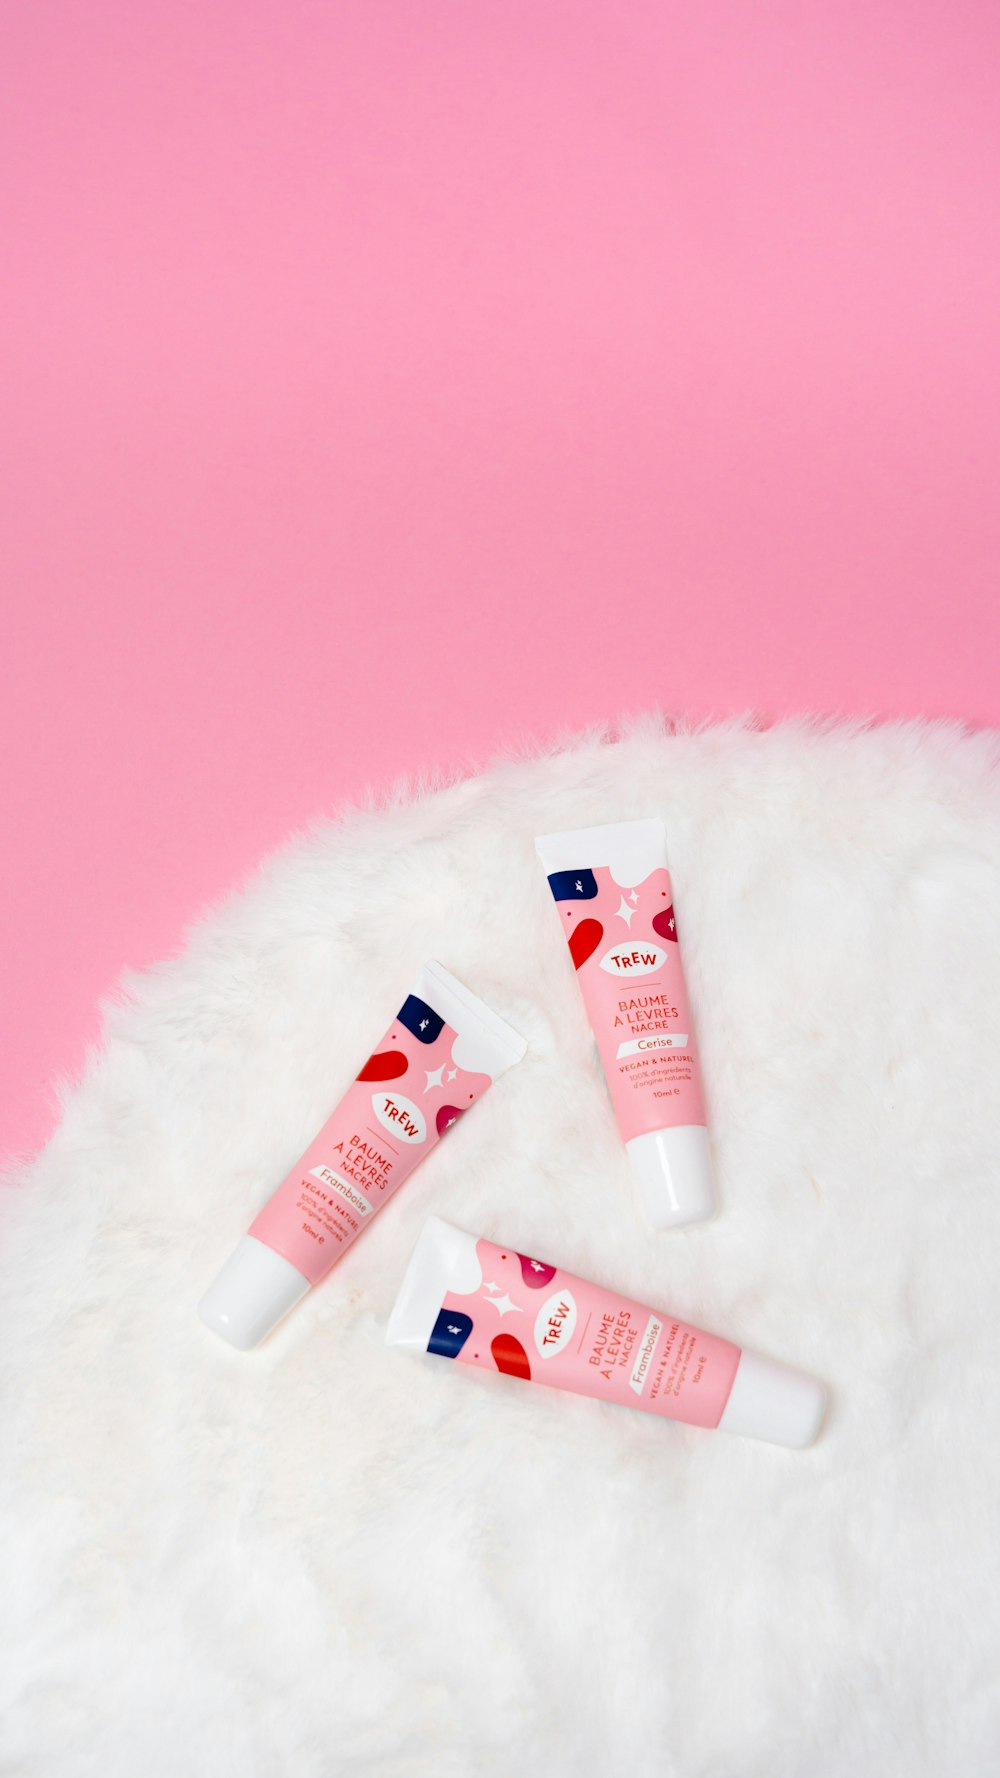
(573, 885)
(451, 1330)
(421, 1019)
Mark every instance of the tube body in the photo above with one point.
(615, 901)
(438, 1057)
(500, 1310)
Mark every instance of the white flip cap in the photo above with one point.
(674, 1172)
(773, 1402)
(253, 1292)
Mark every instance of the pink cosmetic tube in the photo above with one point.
(500, 1310)
(438, 1056)
(615, 900)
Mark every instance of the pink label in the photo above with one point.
(623, 942)
(407, 1094)
(532, 1321)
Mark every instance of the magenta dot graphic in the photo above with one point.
(664, 924)
(535, 1272)
(446, 1115)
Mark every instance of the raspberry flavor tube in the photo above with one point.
(502, 1311)
(439, 1055)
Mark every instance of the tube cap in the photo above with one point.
(773, 1402)
(253, 1292)
(674, 1172)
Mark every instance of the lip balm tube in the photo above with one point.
(502, 1311)
(616, 906)
(439, 1055)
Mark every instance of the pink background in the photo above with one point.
(386, 380)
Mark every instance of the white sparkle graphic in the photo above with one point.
(504, 1306)
(625, 912)
(537, 1266)
(451, 1074)
(671, 924)
(434, 1076)
(423, 1024)
(578, 886)
(493, 1285)
(454, 1330)
(633, 898)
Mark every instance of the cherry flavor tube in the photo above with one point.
(439, 1055)
(615, 900)
(500, 1310)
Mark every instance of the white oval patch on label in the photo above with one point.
(634, 958)
(400, 1116)
(554, 1323)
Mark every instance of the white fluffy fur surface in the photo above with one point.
(329, 1558)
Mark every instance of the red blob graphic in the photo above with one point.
(509, 1356)
(535, 1274)
(664, 924)
(447, 1115)
(584, 940)
(384, 1065)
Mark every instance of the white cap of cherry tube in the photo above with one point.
(673, 1170)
